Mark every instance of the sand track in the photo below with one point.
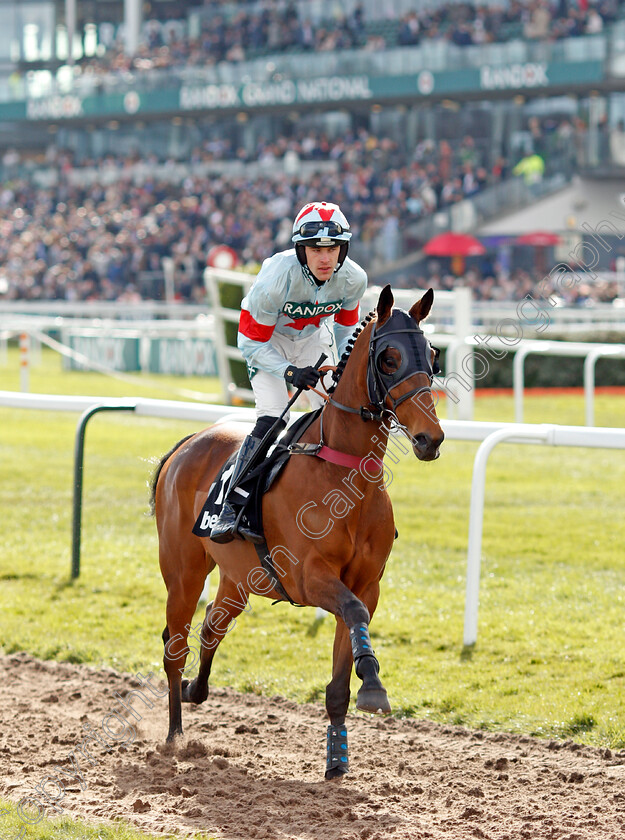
(252, 767)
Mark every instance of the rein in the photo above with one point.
(379, 410)
(376, 411)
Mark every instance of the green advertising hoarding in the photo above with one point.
(183, 356)
(114, 352)
(174, 355)
(487, 79)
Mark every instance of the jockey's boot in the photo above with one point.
(227, 526)
(225, 530)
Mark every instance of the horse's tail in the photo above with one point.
(157, 471)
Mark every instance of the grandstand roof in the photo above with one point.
(584, 202)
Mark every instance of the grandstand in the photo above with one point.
(172, 127)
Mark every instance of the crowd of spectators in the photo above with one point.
(466, 23)
(99, 232)
(247, 33)
(491, 282)
(81, 240)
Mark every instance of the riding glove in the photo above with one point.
(302, 377)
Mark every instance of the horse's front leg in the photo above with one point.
(332, 595)
(352, 644)
(337, 702)
(372, 696)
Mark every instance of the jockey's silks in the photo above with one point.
(283, 299)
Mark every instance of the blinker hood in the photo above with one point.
(399, 331)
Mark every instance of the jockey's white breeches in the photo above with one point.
(271, 392)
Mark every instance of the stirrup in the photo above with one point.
(247, 533)
(225, 531)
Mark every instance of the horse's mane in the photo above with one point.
(336, 375)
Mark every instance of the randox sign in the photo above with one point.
(514, 76)
(183, 356)
(293, 92)
(113, 352)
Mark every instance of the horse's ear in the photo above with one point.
(421, 308)
(385, 305)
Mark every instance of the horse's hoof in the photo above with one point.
(171, 737)
(190, 692)
(336, 773)
(373, 700)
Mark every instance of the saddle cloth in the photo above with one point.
(254, 485)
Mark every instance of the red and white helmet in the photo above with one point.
(321, 223)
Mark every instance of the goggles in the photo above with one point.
(310, 229)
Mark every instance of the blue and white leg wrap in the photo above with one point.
(361, 645)
(337, 749)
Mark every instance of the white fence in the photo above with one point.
(590, 352)
(490, 435)
(545, 434)
(195, 349)
(485, 314)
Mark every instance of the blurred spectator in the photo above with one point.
(531, 167)
(617, 144)
(539, 21)
(594, 22)
(238, 32)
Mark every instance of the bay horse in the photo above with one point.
(328, 519)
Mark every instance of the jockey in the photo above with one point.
(285, 325)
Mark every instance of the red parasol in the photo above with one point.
(454, 245)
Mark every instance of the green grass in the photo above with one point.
(67, 828)
(549, 659)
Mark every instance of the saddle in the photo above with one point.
(256, 483)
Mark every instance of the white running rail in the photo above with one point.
(490, 435)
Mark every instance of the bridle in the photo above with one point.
(410, 340)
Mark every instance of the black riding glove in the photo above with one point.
(302, 377)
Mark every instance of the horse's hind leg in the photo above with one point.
(230, 601)
(183, 593)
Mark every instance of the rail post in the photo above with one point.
(24, 362)
(589, 378)
(519, 432)
(79, 454)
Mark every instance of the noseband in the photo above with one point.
(414, 348)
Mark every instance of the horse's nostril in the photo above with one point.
(422, 441)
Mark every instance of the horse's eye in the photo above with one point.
(436, 367)
(388, 363)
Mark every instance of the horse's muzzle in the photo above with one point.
(426, 448)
